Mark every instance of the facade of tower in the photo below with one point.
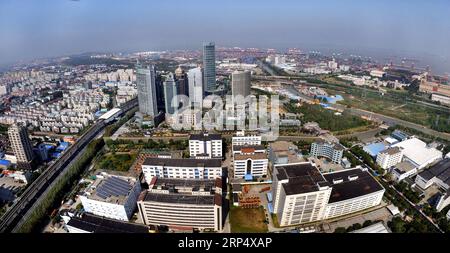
(170, 92)
(182, 82)
(209, 65)
(145, 79)
(195, 77)
(21, 145)
(240, 83)
(159, 84)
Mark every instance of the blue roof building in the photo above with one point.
(399, 135)
(375, 148)
(332, 99)
(62, 146)
(56, 155)
(5, 163)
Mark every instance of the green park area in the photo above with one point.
(327, 119)
(247, 220)
(116, 162)
(122, 145)
(401, 104)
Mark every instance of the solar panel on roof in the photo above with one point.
(113, 186)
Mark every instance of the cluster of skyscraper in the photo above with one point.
(155, 96)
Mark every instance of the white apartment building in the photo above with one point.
(182, 204)
(21, 145)
(189, 168)
(332, 151)
(205, 145)
(301, 194)
(185, 118)
(250, 163)
(112, 196)
(403, 170)
(389, 157)
(438, 174)
(353, 190)
(241, 139)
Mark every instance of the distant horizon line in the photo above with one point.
(326, 49)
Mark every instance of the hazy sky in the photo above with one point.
(40, 28)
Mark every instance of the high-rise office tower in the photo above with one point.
(170, 92)
(159, 84)
(21, 145)
(182, 82)
(145, 79)
(195, 77)
(209, 66)
(240, 83)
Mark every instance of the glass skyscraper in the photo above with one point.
(170, 91)
(195, 79)
(145, 79)
(209, 66)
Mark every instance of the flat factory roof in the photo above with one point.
(350, 184)
(186, 162)
(96, 224)
(418, 152)
(176, 198)
(205, 137)
(440, 170)
(303, 177)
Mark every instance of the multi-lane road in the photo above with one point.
(24, 206)
(399, 194)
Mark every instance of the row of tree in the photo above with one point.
(56, 194)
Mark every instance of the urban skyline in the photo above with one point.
(406, 28)
(114, 135)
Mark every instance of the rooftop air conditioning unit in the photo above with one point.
(337, 180)
(352, 177)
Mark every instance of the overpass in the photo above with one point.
(24, 206)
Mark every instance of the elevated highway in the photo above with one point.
(23, 207)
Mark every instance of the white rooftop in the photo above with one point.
(375, 228)
(110, 113)
(393, 209)
(390, 140)
(418, 152)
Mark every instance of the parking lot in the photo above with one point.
(8, 188)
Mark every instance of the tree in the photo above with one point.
(340, 230)
(397, 225)
(367, 223)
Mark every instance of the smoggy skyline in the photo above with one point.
(46, 28)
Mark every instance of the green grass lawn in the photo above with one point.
(327, 118)
(394, 104)
(247, 220)
(117, 162)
